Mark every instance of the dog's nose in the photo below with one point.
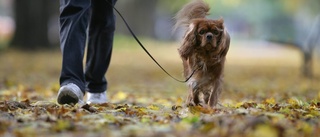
(209, 36)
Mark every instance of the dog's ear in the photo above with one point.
(189, 40)
(225, 42)
(191, 34)
(224, 38)
(220, 23)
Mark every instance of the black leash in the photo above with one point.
(141, 45)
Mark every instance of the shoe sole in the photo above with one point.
(96, 102)
(67, 97)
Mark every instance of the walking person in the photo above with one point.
(81, 21)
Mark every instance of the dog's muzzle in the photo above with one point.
(209, 36)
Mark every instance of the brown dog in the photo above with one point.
(203, 52)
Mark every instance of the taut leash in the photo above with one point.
(141, 45)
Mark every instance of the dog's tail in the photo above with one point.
(192, 10)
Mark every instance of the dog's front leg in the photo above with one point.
(215, 91)
(190, 98)
(193, 97)
(206, 96)
(196, 97)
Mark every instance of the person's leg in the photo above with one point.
(101, 31)
(74, 16)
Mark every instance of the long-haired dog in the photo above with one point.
(203, 52)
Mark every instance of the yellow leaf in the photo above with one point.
(55, 87)
(292, 101)
(265, 130)
(285, 110)
(179, 101)
(25, 131)
(207, 127)
(295, 102)
(21, 87)
(120, 96)
(308, 116)
(153, 107)
(315, 113)
(306, 128)
(271, 101)
(205, 110)
(238, 105)
(261, 106)
(275, 115)
(62, 125)
(110, 118)
(145, 120)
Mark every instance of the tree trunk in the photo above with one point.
(31, 17)
(307, 65)
(311, 42)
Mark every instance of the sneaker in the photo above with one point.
(69, 94)
(97, 98)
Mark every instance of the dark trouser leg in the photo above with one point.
(74, 16)
(101, 31)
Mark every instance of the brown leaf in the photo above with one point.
(89, 108)
(12, 105)
(249, 105)
(175, 107)
(45, 104)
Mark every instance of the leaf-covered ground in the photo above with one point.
(264, 95)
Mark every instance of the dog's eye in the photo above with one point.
(216, 32)
(201, 32)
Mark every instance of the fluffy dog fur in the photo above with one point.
(203, 51)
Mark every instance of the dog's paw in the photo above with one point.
(190, 103)
(204, 105)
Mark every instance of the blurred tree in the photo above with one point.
(313, 40)
(287, 21)
(31, 17)
(300, 27)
